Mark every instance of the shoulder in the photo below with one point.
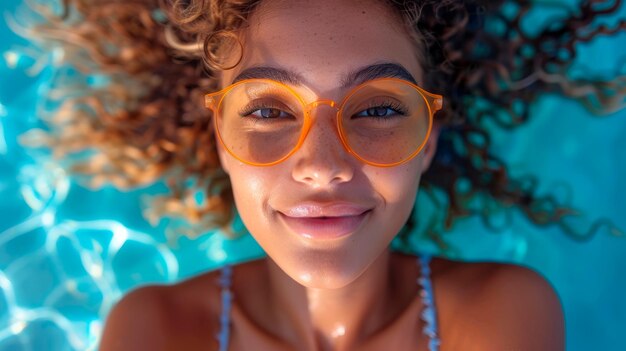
(496, 306)
(138, 320)
(161, 317)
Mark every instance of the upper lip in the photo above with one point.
(328, 209)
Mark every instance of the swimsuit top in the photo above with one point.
(429, 313)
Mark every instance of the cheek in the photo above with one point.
(248, 190)
(398, 185)
(400, 202)
(397, 188)
(252, 187)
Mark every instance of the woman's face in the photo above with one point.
(287, 207)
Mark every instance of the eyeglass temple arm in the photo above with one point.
(436, 101)
(209, 101)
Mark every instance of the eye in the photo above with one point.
(376, 112)
(265, 111)
(269, 113)
(385, 110)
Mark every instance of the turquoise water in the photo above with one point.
(67, 254)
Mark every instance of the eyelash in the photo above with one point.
(397, 107)
(257, 106)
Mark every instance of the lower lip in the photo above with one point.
(324, 228)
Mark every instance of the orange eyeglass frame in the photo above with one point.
(214, 100)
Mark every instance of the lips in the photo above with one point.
(324, 221)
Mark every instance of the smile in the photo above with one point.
(324, 222)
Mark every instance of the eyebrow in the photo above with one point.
(379, 70)
(356, 77)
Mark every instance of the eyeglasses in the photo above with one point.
(383, 122)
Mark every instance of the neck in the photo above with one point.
(333, 319)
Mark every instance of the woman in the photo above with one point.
(313, 106)
(314, 291)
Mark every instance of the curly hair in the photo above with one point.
(153, 61)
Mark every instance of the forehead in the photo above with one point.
(323, 41)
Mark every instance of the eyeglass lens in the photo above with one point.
(383, 122)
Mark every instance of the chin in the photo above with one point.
(323, 281)
(325, 274)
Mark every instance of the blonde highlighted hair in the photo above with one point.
(146, 122)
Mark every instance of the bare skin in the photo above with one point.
(480, 306)
(352, 293)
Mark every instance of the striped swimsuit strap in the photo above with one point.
(429, 313)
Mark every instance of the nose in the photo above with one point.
(322, 159)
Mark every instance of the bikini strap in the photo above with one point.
(429, 314)
(227, 296)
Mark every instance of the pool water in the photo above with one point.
(67, 254)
